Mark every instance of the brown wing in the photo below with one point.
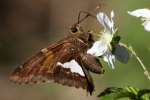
(38, 67)
(42, 67)
(92, 63)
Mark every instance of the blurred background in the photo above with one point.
(26, 26)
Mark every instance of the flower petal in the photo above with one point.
(146, 25)
(112, 14)
(105, 21)
(140, 13)
(110, 59)
(98, 48)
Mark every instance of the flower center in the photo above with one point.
(107, 37)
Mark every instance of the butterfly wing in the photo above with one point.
(44, 67)
(37, 68)
(92, 63)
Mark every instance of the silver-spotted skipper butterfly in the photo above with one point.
(65, 62)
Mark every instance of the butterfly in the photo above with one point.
(65, 62)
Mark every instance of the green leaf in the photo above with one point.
(128, 92)
(109, 90)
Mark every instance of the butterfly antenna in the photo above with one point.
(76, 26)
(87, 14)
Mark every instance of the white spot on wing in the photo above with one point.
(73, 65)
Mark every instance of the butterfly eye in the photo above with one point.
(74, 29)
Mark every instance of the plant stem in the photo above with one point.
(146, 73)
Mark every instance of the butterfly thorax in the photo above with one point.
(82, 40)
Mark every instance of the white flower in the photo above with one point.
(102, 47)
(110, 58)
(98, 48)
(107, 23)
(144, 14)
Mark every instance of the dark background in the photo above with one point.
(26, 26)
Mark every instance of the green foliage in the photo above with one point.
(114, 93)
